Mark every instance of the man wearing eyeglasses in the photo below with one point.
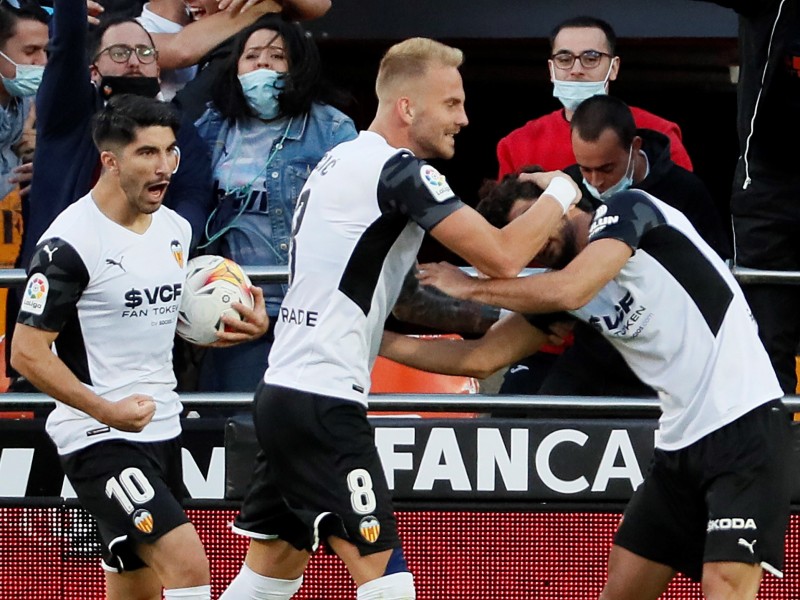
(582, 63)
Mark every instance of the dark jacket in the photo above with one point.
(676, 186)
(66, 160)
(768, 90)
(192, 98)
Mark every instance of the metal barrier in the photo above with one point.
(572, 406)
(16, 277)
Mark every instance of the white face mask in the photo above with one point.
(623, 184)
(261, 89)
(572, 93)
(27, 79)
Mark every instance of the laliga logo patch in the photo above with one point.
(370, 528)
(143, 520)
(35, 295)
(436, 183)
(177, 252)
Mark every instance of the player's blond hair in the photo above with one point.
(410, 59)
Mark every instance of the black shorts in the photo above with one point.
(724, 498)
(318, 474)
(132, 490)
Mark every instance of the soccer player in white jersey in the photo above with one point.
(715, 504)
(358, 226)
(104, 288)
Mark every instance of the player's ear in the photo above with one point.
(109, 161)
(405, 109)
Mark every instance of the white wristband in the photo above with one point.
(561, 190)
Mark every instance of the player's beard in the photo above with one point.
(569, 246)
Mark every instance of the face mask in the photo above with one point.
(572, 93)
(111, 85)
(27, 80)
(623, 184)
(261, 89)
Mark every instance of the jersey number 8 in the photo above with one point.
(362, 498)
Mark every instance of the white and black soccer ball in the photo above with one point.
(213, 283)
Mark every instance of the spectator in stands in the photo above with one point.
(266, 129)
(582, 63)
(613, 155)
(715, 503)
(23, 44)
(764, 205)
(192, 99)
(181, 42)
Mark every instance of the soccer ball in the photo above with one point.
(213, 283)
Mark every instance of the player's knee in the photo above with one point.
(731, 580)
(397, 586)
(194, 571)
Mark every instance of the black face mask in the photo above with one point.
(113, 85)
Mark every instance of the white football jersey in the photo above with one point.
(680, 320)
(113, 296)
(358, 226)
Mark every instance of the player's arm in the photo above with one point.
(508, 340)
(292, 9)
(32, 357)
(567, 289)
(430, 307)
(505, 252)
(193, 42)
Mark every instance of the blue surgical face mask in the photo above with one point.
(623, 184)
(27, 80)
(572, 93)
(261, 89)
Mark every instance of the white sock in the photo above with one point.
(397, 586)
(249, 585)
(201, 592)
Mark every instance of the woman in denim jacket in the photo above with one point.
(266, 128)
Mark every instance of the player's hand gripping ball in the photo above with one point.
(213, 283)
